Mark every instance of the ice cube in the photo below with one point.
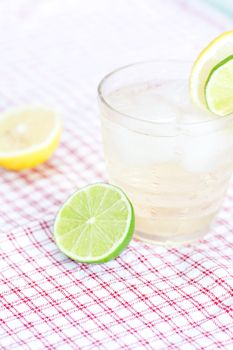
(134, 148)
(205, 152)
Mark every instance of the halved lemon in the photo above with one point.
(28, 136)
(217, 51)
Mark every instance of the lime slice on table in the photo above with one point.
(209, 72)
(95, 224)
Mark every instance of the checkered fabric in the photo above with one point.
(54, 53)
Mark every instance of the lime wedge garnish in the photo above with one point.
(219, 88)
(95, 224)
(210, 57)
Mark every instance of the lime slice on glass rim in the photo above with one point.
(219, 88)
(208, 80)
(95, 224)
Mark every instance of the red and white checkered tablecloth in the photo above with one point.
(54, 53)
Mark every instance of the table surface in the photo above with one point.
(55, 53)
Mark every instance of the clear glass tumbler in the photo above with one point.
(173, 160)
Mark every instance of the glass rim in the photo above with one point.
(138, 63)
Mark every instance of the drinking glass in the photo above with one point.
(173, 160)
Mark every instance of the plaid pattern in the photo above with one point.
(39, 192)
(150, 297)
